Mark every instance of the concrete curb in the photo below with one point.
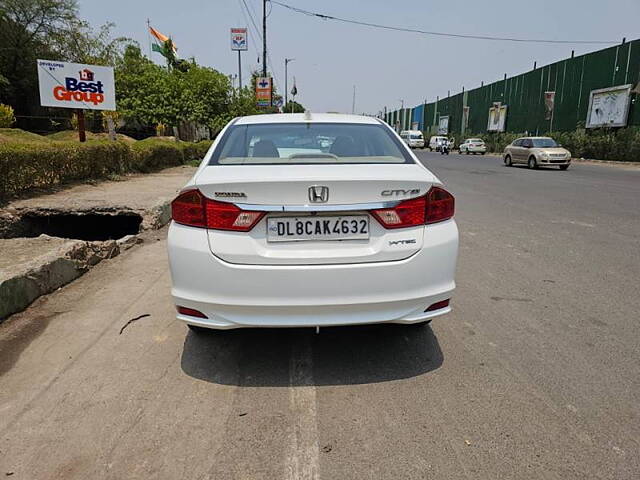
(50, 271)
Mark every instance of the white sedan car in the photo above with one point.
(300, 220)
(473, 145)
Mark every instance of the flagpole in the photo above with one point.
(149, 36)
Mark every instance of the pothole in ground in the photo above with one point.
(80, 226)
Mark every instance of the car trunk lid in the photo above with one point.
(287, 193)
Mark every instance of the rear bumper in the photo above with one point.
(237, 296)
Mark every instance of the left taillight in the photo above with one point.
(188, 208)
(436, 206)
(192, 208)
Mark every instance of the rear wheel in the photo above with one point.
(507, 161)
(564, 167)
(532, 163)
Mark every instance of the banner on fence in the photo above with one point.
(549, 102)
(609, 107)
(443, 125)
(497, 117)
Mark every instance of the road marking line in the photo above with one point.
(303, 459)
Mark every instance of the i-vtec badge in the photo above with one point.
(402, 242)
(400, 192)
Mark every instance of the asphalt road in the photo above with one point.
(535, 374)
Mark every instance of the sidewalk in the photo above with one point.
(96, 222)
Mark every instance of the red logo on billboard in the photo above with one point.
(86, 75)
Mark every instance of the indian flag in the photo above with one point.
(159, 46)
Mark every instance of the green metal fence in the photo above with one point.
(571, 79)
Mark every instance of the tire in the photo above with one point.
(563, 167)
(507, 161)
(532, 163)
(482, 153)
(199, 330)
(467, 152)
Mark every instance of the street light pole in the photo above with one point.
(264, 38)
(286, 77)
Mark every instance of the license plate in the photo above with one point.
(295, 229)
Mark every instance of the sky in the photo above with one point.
(386, 67)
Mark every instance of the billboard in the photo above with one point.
(443, 125)
(263, 91)
(609, 107)
(239, 39)
(497, 117)
(76, 85)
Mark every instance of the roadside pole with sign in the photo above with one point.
(239, 43)
(263, 91)
(78, 86)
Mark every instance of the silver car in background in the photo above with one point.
(537, 152)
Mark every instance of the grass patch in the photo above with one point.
(72, 135)
(21, 136)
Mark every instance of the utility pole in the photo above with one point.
(264, 38)
(286, 77)
(239, 71)
(353, 103)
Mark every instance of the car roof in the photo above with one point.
(535, 137)
(306, 118)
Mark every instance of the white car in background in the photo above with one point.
(279, 228)
(436, 142)
(473, 145)
(413, 138)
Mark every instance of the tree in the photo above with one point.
(25, 29)
(80, 44)
(149, 94)
(293, 107)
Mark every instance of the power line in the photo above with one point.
(439, 34)
(257, 32)
(246, 20)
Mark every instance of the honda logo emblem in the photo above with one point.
(318, 194)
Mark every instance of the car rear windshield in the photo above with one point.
(476, 140)
(308, 143)
(416, 136)
(544, 142)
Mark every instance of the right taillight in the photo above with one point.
(192, 208)
(436, 206)
(440, 205)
